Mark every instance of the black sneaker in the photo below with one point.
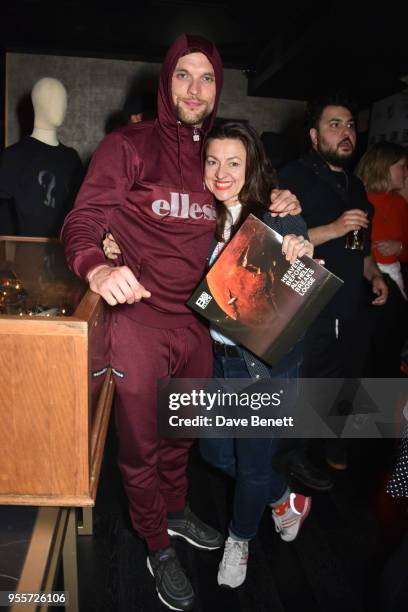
(172, 585)
(197, 533)
(301, 468)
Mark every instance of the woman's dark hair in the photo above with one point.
(260, 177)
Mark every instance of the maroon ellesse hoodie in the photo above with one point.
(145, 185)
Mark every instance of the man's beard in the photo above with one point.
(192, 117)
(334, 158)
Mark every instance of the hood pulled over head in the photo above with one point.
(184, 43)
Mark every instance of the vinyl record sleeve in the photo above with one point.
(254, 296)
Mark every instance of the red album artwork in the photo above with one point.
(256, 298)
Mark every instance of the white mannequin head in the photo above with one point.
(49, 98)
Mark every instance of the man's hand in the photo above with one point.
(116, 285)
(380, 288)
(389, 247)
(349, 221)
(296, 246)
(283, 203)
(110, 247)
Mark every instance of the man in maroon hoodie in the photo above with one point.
(145, 185)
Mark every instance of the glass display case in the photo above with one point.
(55, 382)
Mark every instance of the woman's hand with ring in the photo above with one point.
(296, 246)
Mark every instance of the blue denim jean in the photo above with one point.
(248, 460)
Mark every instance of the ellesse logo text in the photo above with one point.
(179, 206)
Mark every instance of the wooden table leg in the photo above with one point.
(85, 526)
(70, 561)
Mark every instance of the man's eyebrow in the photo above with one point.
(340, 119)
(211, 73)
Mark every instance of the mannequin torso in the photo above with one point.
(40, 175)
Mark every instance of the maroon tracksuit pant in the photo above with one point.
(153, 469)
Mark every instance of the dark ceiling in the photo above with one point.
(292, 50)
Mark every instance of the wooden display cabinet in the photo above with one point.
(55, 382)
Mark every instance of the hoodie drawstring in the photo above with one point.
(179, 155)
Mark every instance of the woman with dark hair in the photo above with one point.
(238, 173)
(383, 170)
